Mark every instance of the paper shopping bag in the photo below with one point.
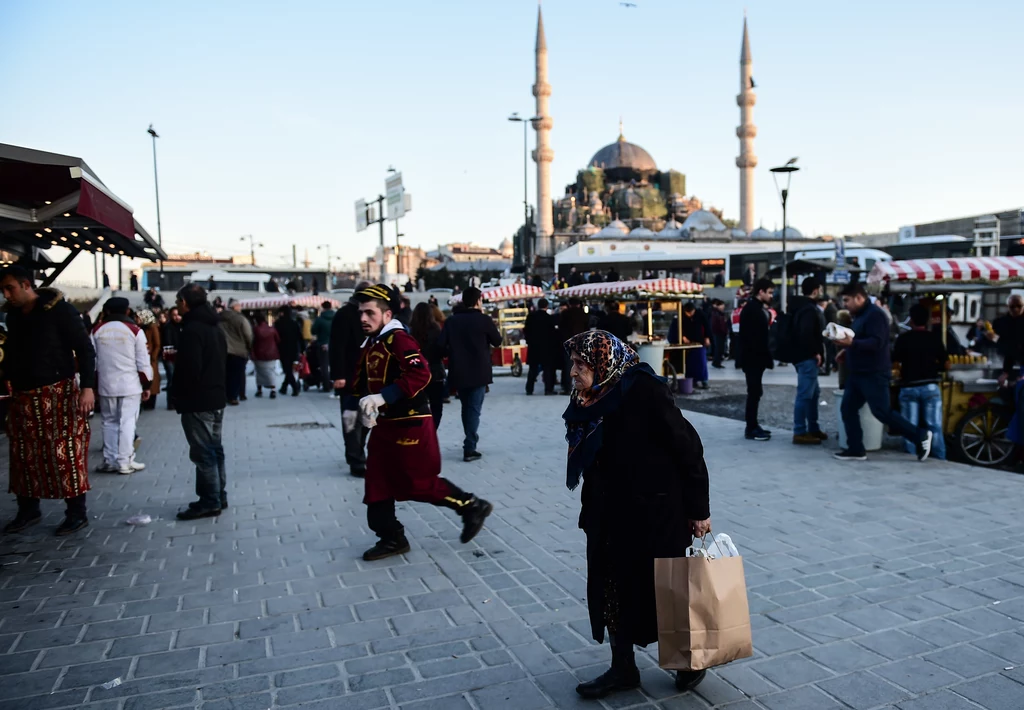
(703, 616)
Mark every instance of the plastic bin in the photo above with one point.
(872, 428)
(653, 354)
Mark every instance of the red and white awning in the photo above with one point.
(980, 269)
(652, 288)
(272, 302)
(512, 292)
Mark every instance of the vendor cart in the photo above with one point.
(976, 411)
(511, 322)
(652, 349)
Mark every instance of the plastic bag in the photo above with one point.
(834, 331)
(139, 520)
(718, 546)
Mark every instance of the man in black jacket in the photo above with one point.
(199, 396)
(756, 357)
(542, 347)
(48, 417)
(347, 339)
(618, 324)
(467, 338)
(808, 322)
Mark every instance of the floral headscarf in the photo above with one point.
(145, 317)
(607, 356)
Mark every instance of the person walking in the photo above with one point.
(542, 351)
(719, 332)
(571, 322)
(404, 459)
(124, 372)
(199, 397)
(169, 335)
(238, 335)
(289, 345)
(869, 371)
(145, 319)
(425, 329)
(755, 355)
(47, 419)
(808, 348)
(467, 338)
(322, 332)
(265, 355)
(645, 495)
(922, 359)
(347, 338)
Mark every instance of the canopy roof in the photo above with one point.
(273, 302)
(992, 270)
(48, 200)
(642, 288)
(511, 292)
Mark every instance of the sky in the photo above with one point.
(275, 118)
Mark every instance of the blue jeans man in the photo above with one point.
(805, 406)
(203, 433)
(871, 389)
(926, 399)
(472, 399)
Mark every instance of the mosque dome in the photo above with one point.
(761, 233)
(588, 228)
(614, 230)
(623, 155)
(738, 233)
(791, 233)
(506, 247)
(642, 233)
(702, 221)
(671, 230)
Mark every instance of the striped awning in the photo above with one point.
(272, 302)
(645, 288)
(980, 269)
(512, 292)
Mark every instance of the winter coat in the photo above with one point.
(541, 341)
(237, 332)
(868, 354)
(572, 321)
(201, 363)
(155, 349)
(467, 338)
(618, 324)
(346, 341)
(807, 324)
(322, 327)
(289, 344)
(264, 343)
(754, 351)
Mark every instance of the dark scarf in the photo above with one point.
(616, 366)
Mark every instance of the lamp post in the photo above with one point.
(330, 276)
(787, 170)
(516, 118)
(156, 185)
(252, 246)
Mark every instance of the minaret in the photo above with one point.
(746, 132)
(543, 155)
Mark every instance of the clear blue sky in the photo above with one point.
(275, 117)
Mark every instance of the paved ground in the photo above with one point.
(883, 584)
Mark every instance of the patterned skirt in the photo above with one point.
(49, 443)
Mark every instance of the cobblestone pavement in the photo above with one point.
(881, 584)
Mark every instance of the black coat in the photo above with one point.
(44, 345)
(431, 350)
(467, 339)
(541, 341)
(618, 324)
(347, 339)
(290, 345)
(648, 481)
(754, 351)
(200, 364)
(572, 321)
(808, 323)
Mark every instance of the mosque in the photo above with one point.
(621, 202)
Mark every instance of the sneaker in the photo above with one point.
(822, 436)
(758, 434)
(806, 440)
(473, 518)
(847, 455)
(137, 466)
(191, 513)
(386, 548)
(72, 524)
(924, 448)
(472, 456)
(106, 468)
(22, 521)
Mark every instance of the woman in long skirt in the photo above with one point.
(265, 355)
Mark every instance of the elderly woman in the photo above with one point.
(645, 494)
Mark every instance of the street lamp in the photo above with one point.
(328, 248)
(788, 169)
(156, 184)
(516, 118)
(252, 246)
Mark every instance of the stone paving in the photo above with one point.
(885, 584)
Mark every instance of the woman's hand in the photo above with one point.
(700, 528)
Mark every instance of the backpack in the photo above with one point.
(784, 337)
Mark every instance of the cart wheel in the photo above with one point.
(517, 366)
(669, 373)
(981, 437)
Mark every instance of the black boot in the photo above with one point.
(75, 518)
(623, 675)
(688, 680)
(387, 548)
(28, 515)
(473, 516)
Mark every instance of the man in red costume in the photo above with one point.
(403, 460)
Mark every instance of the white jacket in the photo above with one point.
(121, 357)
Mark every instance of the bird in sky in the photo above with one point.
(628, 4)
(791, 161)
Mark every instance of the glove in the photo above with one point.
(368, 409)
(348, 420)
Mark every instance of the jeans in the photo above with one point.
(202, 431)
(169, 375)
(873, 390)
(544, 369)
(234, 382)
(472, 399)
(754, 393)
(927, 400)
(805, 406)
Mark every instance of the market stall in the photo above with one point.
(270, 303)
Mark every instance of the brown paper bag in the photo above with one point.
(703, 616)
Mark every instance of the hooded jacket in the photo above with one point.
(199, 368)
(322, 327)
(237, 332)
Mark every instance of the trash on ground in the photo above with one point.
(139, 520)
(112, 684)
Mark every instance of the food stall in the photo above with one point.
(976, 411)
(511, 322)
(655, 293)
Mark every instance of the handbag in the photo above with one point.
(703, 615)
(302, 366)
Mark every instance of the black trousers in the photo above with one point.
(719, 341)
(289, 377)
(76, 505)
(235, 381)
(437, 390)
(566, 367)
(754, 394)
(381, 519)
(545, 368)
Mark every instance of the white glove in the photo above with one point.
(368, 409)
(348, 420)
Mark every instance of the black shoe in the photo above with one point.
(529, 393)
(473, 519)
(22, 521)
(924, 447)
(758, 434)
(273, 394)
(688, 680)
(610, 682)
(358, 472)
(847, 455)
(191, 513)
(196, 505)
(233, 402)
(550, 393)
(259, 393)
(472, 456)
(386, 548)
(284, 390)
(243, 398)
(295, 393)
(72, 523)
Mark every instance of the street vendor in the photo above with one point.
(403, 459)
